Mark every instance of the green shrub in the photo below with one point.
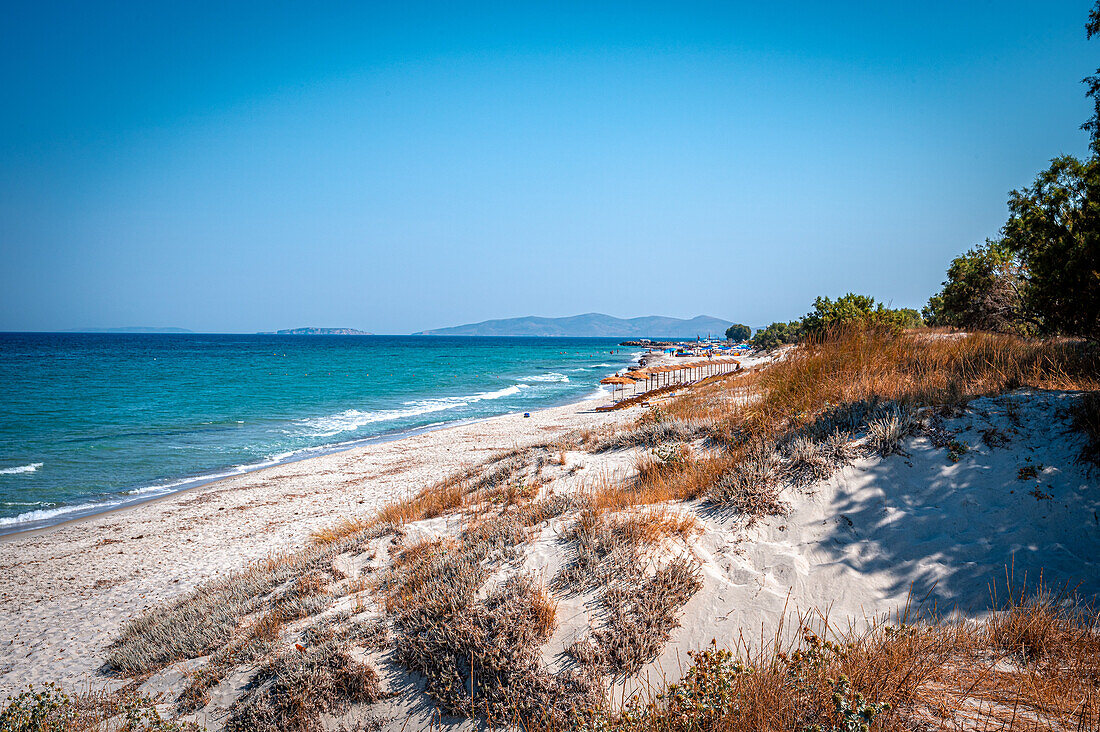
(1054, 229)
(856, 311)
(738, 332)
(855, 714)
(45, 710)
(48, 709)
(982, 292)
(777, 334)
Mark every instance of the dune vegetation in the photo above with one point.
(458, 607)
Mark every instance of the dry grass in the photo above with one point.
(544, 609)
(641, 612)
(750, 487)
(438, 500)
(794, 421)
(345, 528)
(650, 431)
(292, 691)
(609, 546)
(195, 625)
(255, 641)
(212, 617)
(911, 675)
(478, 651)
(640, 606)
(653, 525)
(472, 485)
(545, 509)
(911, 371)
(885, 433)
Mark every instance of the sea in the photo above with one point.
(93, 421)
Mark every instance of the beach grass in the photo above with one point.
(729, 446)
(1032, 665)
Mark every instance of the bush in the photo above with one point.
(982, 292)
(48, 709)
(850, 311)
(738, 332)
(1054, 228)
(291, 692)
(858, 311)
(777, 334)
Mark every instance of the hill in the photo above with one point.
(591, 325)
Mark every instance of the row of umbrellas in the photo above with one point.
(631, 378)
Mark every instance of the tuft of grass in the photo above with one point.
(458, 490)
(640, 616)
(750, 487)
(292, 691)
(885, 433)
(194, 625)
(651, 432)
(544, 609)
(478, 651)
(545, 509)
(609, 547)
(345, 528)
(210, 618)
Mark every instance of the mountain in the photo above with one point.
(130, 329)
(322, 331)
(591, 325)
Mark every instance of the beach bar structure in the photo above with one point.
(645, 380)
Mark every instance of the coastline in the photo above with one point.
(146, 494)
(187, 485)
(66, 589)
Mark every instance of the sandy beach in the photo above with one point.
(65, 591)
(885, 531)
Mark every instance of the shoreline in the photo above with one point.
(183, 485)
(203, 482)
(66, 589)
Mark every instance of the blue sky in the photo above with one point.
(251, 166)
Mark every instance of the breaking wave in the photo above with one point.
(552, 376)
(352, 419)
(21, 469)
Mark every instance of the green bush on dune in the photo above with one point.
(848, 311)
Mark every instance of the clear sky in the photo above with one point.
(395, 167)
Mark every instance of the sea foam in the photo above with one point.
(21, 469)
(46, 514)
(552, 376)
(353, 419)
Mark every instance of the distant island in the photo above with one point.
(322, 331)
(591, 325)
(130, 329)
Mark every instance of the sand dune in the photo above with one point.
(930, 525)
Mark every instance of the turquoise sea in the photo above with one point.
(90, 422)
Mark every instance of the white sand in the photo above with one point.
(853, 546)
(65, 591)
